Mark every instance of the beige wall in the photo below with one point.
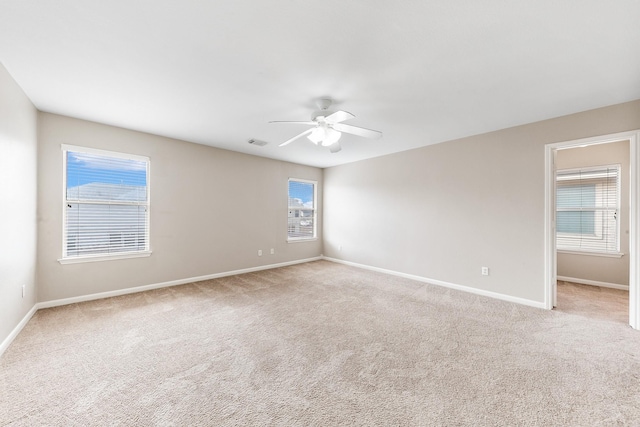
(211, 210)
(18, 179)
(596, 268)
(443, 211)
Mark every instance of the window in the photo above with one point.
(587, 207)
(302, 210)
(106, 205)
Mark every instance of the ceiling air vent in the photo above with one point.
(257, 142)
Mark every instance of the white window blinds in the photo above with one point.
(106, 203)
(587, 208)
(302, 210)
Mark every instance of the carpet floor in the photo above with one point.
(593, 301)
(318, 344)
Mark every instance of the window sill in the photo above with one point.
(96, 258)
(302, 239)
(600, 254)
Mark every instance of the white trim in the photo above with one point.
(593, 283)
(634, 218)
(315, 210)
(106, 153)
(308, 181)
(9, 339)
(462, 288)
(550, 250)
(577, 176)
(589, 253)
(302, 239)
(634, 239)
(109, 294)
(103, 257)
(63, 205)
(594, 140)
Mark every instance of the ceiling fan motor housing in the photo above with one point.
(323, 108)
(320, 113)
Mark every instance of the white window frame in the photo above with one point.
(293, 239)
(580, 251)
(65, 259)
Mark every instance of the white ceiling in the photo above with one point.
(422, 72)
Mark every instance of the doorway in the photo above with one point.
(551, 258)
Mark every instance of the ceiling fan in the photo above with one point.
(328, 127)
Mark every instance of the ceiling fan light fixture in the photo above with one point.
(332, 136)
(317, 135)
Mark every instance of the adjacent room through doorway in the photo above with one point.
(591, 227)
(592, 230)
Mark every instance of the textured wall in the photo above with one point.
(444, 211)
(211, 210)
(18, 179)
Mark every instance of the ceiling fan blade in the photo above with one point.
(295, 123)
(355, 130)
(335, 147)
(300, 135)
(339, 116)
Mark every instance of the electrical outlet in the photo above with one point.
(340, 248)
(273, 251)
(485, 271)
(259, 252)
(24, 290)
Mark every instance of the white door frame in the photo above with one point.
(550, 257)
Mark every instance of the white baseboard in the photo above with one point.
(8, 340)
(109, 294)
(593, 283)
(463, 288)
(65, 301)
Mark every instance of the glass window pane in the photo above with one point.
(576, 222)
(106, 204)
(576, 196)
(302, 210)
(94, 177)
(587, 204)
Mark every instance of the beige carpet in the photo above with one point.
(593, 301)
(318, 344)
